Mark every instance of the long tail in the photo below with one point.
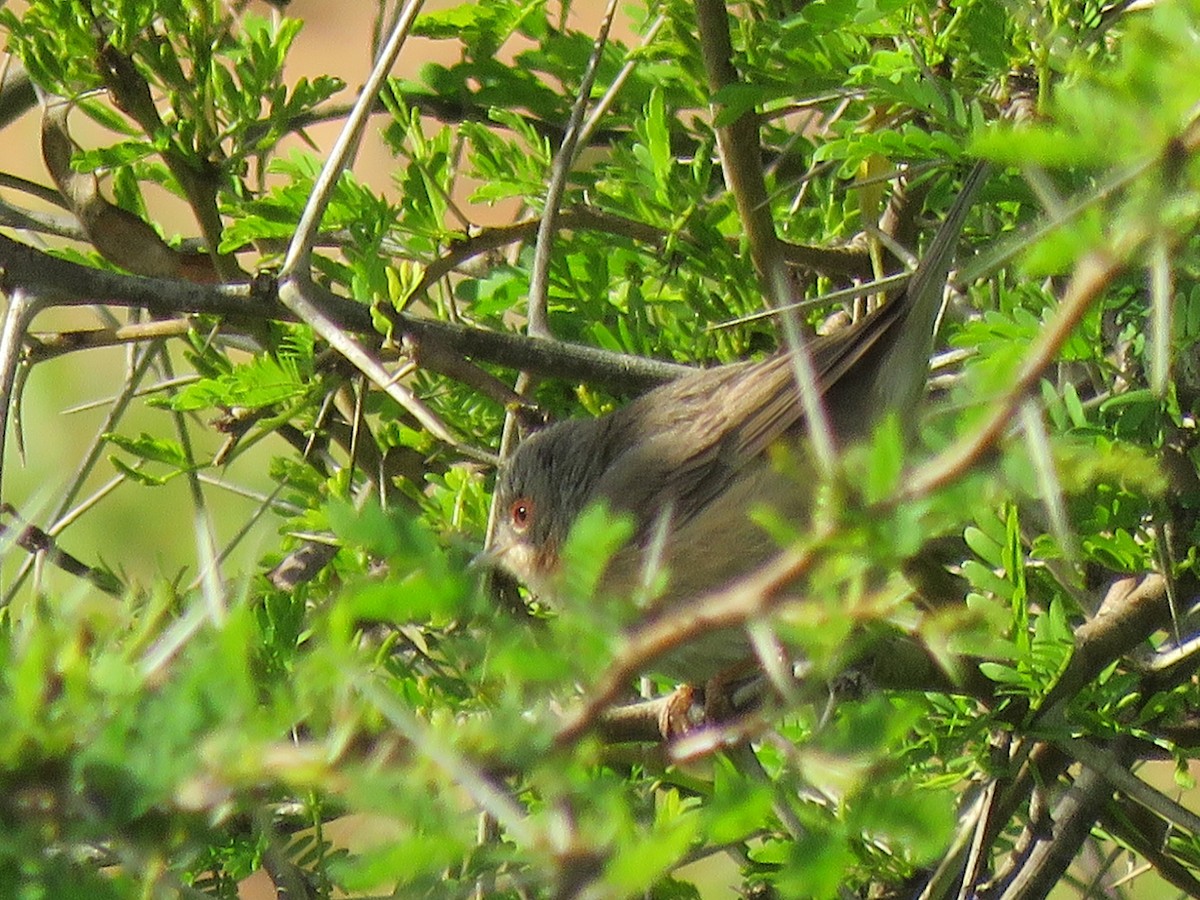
(892, 376)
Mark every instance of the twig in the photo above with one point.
(1131, 611)
(1037, 442)
(298, 261)
(433, 354)
(472, 780)
(63, 283)
(1073, 817)
(964, 847)
(538, 320)
(36, 541)
(850, 293)
(206, 539)
(1092, 275)
(83, 471)
(44, 346)
(130, 92)
(1106, 764)
(291, 882)
(40, 191)
(741, 161)
(40, 223)
(751, 596)
(296, 289)
(297, 295)
(1144, 843)
(23, 305)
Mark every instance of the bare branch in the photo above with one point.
(538, 321)
(65, 283)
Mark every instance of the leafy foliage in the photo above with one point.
(216, 723)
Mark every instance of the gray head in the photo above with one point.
(541, 491)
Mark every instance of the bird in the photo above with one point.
(691, 460)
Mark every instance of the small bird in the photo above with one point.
(689, 461)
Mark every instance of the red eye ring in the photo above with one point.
(520, 514)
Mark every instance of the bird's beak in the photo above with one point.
(486, 560)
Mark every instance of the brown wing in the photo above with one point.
(697, 434)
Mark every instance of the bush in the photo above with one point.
(355, 713)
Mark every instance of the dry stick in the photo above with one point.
(739, 146)
(296, 289)
(49, 345)
(17, 95)
(298, 294)
(134, 378)
(747, 598)
(43, 193)
(89, 502)
(1100, 867)
(1106, 764)
(64, 283)
(1091, 276)
(845, 261)
(436, 356)
(741, 160)
(22, 307)
(1072, 823)
(1162, 295)
(1174, 664)
(17, 423)
(564, 159)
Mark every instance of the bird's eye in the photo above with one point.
(520, 514)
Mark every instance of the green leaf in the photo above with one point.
(985, 547)
(886, 460)
(150, 448)
(595, 536)
(1002, 674)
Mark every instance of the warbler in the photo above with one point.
(689, 461)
